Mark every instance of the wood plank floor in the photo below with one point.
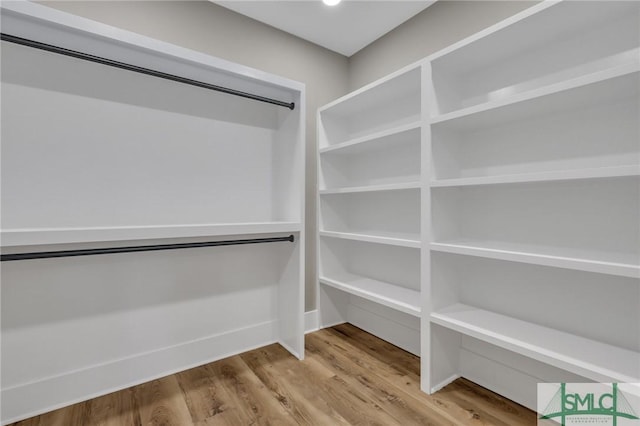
(349, 377)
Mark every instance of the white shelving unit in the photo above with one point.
(93, 157)
(534, 261)
(516, 182)
(370, 172)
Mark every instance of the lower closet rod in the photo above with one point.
(131, 249)
(138, 69)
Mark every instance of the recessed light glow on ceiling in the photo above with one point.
(331, 2)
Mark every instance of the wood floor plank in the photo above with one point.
(206, 398)
(485, 404)
(453, 408)
(402, 378)
(114, 409)
(350, 405)
(394, 400)
(368, 343)
(74, 415)
(161, 402)
(249, 394)
(349, 377)
(284, 375)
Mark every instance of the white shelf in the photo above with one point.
(392, 296)
(352, 146)
(594, 360)
(412, 241)
(43, 236)
(621, 264)
(372, 188)
(536, 94)
(547, 176)
(392, 87)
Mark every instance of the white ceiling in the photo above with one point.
(345, 28)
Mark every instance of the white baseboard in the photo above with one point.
(507, 373)
(311, 322)
(395, 327)
(444, 383)
(34, 398)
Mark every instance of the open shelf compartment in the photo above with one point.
(562, 132)
(384, 105)
(588, 225)
(594, 360)
(516, 56)
(393, 296)
(388, 160)
(385, 274)
(536, 323)
(386, 214)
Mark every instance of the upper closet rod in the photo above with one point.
(141, 70)
(131, 249)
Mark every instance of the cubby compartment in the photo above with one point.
(392, 159)
(589, 225)
(138, 152)
(385, 274)
(388, 216)
(385, 105)
(548, 323)
(578, 39)
(105, 313)
(522, 291)
(590, 131)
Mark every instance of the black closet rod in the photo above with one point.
(141, 70)
(132, 249)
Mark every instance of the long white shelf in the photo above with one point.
(547, 176)
(412, 241)
(626, 265)
(371, 188)
(539, 93)
(43, 236)
(372, 138)
(390, 295)
(588, 358)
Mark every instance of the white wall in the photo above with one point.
(438, 26)
(212, 29)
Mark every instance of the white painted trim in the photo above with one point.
(311, 321)
(69, 22)
(445, 382)
(42, 236)
(31, 399)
